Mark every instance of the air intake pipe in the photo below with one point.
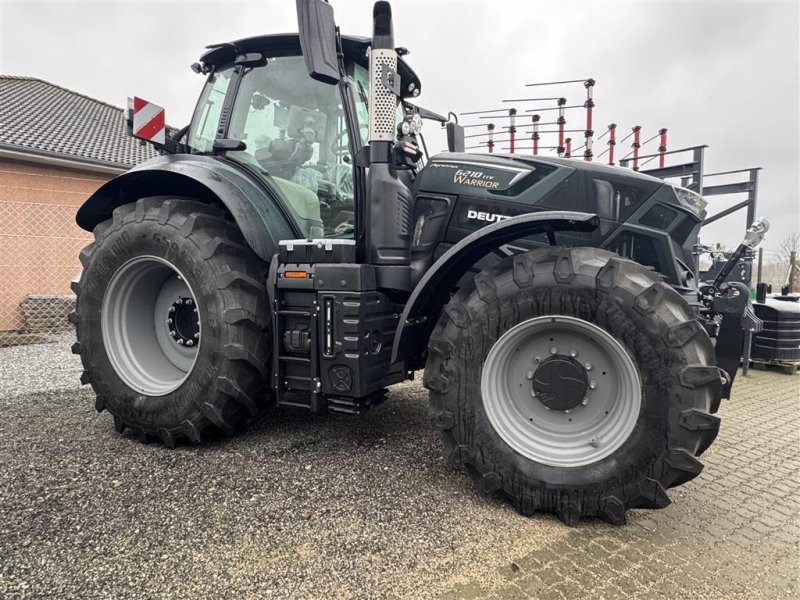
(389, 202)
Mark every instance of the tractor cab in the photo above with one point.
(261, 109)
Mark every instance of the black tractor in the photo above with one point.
(294, 246)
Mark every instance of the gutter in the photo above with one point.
(55, 159)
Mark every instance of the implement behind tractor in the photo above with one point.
(294, 246)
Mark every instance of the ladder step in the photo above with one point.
(295, 313)
(296, 359)
(355, 406)
(295, 404)
(344, 410)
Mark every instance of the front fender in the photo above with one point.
(433, 290)
(255, 206)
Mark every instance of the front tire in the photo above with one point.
(172, 321)
(575, 382)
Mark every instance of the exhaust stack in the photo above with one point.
(388, 209)
(384, 80)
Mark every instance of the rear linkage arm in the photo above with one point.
(733, 304)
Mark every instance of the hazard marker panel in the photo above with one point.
(148, 120)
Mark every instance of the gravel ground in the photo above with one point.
(306, 507)
(39, 367)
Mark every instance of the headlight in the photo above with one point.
(416, 123)
(412, 124)
(691, 200)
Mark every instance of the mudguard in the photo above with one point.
(255, 205)
(433, 290)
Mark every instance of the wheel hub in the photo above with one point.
(560, 382)
(182, 322)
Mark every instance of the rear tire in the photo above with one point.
(200, 373)
(592, 290)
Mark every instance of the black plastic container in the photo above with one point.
(780, 339)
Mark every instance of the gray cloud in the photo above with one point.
(726, 74)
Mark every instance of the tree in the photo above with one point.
(789, 244)
(788, 248)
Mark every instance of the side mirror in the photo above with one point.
(318, 40)
(455, 137)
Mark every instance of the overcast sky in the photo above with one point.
(723, 74)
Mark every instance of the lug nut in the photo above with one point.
(180, 342)
(172, 309)
(169, 321)
(554, 350)
(179, 301)
(529, 375)
(573, 353)
(592, 385)
(587, 366)
(533, 394)
(537, 359)
(197, 336)
(566, 411)
(585, 401)
(189, 302)
(594, 442)
(180, 278)
(195, 311)
(172, 333)
(190, 343)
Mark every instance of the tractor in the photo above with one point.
(296, 246)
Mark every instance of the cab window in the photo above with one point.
(294, 128)
(206, 114)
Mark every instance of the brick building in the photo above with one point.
(56, 148)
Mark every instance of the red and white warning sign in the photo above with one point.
(148, 120)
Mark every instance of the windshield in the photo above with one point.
(203, 129)
(294, 128)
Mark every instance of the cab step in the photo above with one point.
(355, 406)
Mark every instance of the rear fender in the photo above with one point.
(255, 207)
(433, 290)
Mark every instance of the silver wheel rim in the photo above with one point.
(575, 437)
(151, 325)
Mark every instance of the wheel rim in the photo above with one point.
(531, 388)
(151, 325)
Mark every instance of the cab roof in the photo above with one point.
(288, 44)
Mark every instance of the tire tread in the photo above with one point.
(241, 392)
(692, 427)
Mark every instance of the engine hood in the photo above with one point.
(491, 177)
(497, 175)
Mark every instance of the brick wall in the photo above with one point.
(39, 240)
